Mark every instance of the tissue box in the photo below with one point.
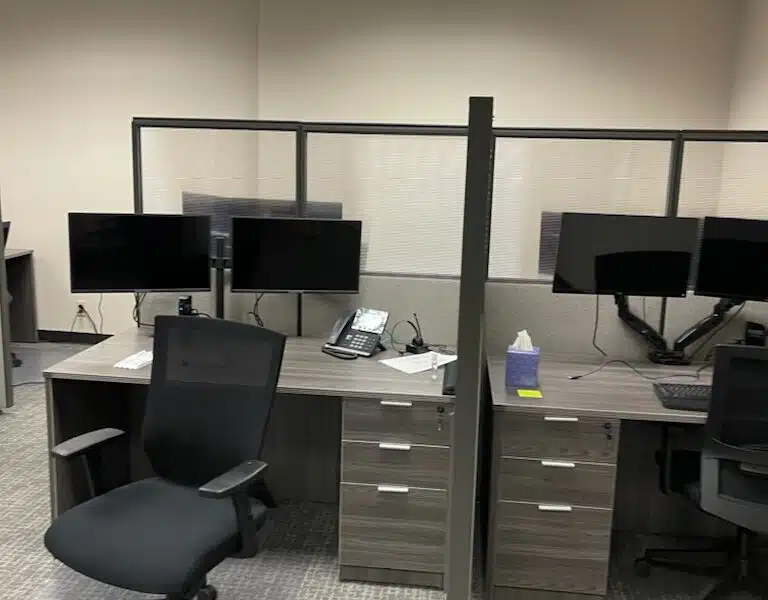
(522, 368)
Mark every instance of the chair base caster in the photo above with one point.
(207, 593)
(642, 568)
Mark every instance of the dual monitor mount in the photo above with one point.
(662, 354)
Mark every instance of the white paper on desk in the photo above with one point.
(416, 363)
(135, 361)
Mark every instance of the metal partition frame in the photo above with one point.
(474, 259)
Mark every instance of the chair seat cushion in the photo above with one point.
(152, 536)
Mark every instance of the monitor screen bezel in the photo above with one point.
(95, 290)
(239, 290)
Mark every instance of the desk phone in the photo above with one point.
(357, 334)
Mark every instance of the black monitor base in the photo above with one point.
(669, 358)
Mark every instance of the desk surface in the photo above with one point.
(16, 253)
(614, 392)
(305, 370)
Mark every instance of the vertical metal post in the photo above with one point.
(674, 181)
(138, 192)
(301, 206)
(301, 170)
(471, 350)
(218, 262)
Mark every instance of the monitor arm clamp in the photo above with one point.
(660, 353)
(705, 326)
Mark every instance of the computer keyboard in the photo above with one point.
(683, 396)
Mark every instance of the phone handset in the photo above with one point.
(338, 329)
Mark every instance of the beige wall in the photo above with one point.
(599, 63)
(73, 75)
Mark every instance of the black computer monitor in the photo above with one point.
(631, 255)
(295, 255)
(139, 253)
(731, 257)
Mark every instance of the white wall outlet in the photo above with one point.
(81, 302)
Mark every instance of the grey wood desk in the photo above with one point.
(355, 433)
(20, 272)
(553, 475)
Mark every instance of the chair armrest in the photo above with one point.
(237, 479)
(83, 443)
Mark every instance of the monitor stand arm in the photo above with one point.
(636, 324)
(706, 325)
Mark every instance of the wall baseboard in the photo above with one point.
(71, 337)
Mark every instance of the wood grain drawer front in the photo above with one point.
(387, 527)
(558, 436)
(403, 421)
(398, 464)
(552, 547)
(556, 481)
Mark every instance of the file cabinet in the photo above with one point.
(394, 491)
(553, 480)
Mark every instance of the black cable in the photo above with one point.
(637, 371)
(255, 311)
(91, 321)
(82, 311)
(197, 313)
(715, 332)
(101, 314)
(27, 383)
(702, 367)
(138, 300)
(393, 341)
(597, 323)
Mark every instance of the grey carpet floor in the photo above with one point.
(298, 562)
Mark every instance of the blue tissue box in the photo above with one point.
(522, 368)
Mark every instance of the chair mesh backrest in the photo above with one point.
(738, 414)
(211, 392)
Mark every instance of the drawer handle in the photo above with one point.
(392, 489)
(387, 446)
(558, 463)
(402, 403)
(555, 508)
(562, 419)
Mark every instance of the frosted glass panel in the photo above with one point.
(227, 164)
(407, 190)
(547, 177)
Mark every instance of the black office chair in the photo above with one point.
(211, 392)
(731, 481)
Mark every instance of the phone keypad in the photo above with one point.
(360, 342)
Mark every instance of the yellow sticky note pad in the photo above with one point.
(529, 393)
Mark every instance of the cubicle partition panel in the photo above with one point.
(541, 173)
(405, 182)
(723, 175)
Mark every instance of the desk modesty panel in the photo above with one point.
(356, 433)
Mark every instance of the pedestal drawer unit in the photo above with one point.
(553, 482)
(394, 490)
